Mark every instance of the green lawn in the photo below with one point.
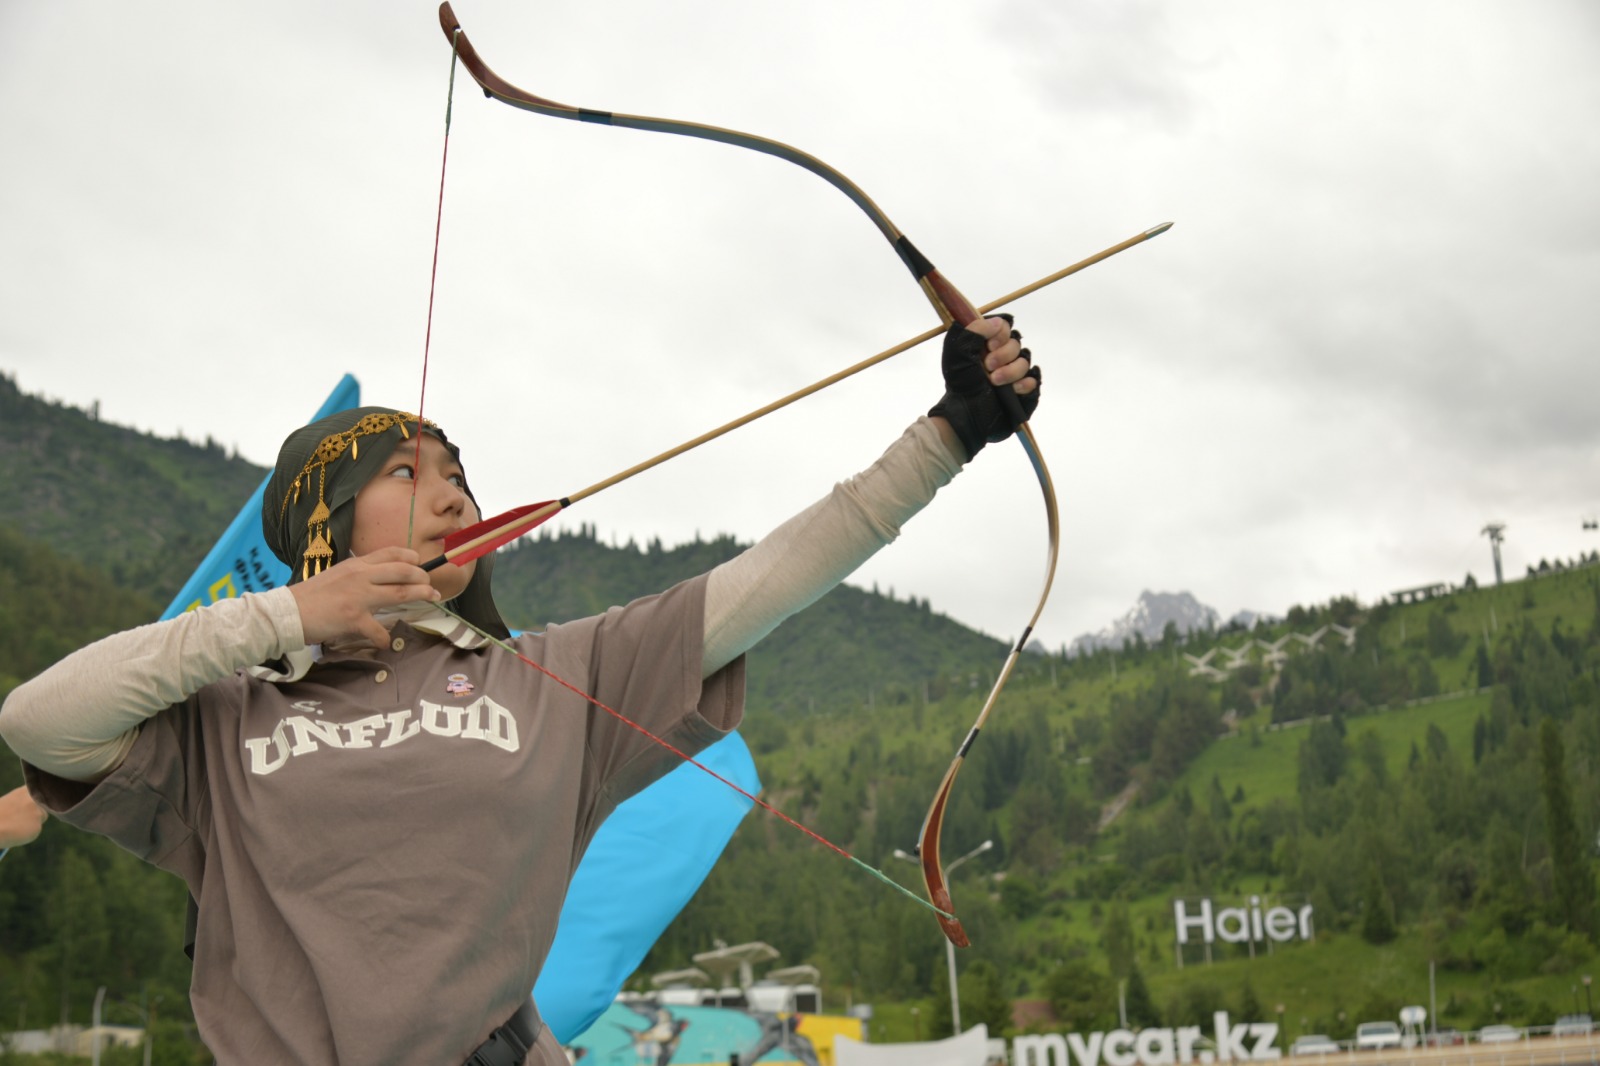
(1268, 767)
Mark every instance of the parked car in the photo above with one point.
(1371, 1035)
(1573, 1025)
(1499, 1034)
(1443, 1038)
(1313, 1044)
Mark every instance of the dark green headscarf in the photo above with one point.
(330, 461)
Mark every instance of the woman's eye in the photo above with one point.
(459, 481)
(402, 471)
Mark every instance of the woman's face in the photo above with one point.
(384, 517)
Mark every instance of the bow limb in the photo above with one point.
(950, 304)
(933, 823)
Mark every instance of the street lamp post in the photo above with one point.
(147, 1017)
(949, 947)
(94, 1046)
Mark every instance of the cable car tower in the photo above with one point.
(1495, 531)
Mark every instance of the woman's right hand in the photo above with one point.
(339, 602)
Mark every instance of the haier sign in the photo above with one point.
(1197, 921)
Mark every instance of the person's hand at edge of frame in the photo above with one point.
(21, 819)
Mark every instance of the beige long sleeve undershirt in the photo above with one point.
(799, 562)
(78, 719)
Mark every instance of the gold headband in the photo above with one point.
(319, 549)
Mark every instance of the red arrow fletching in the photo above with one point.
(476, 538)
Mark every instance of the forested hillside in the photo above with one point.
(142, 509)
(1429, 787)
(1424, 776)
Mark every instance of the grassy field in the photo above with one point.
(1265, 763)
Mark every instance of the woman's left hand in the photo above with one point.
(1005, 359)
(980, 360)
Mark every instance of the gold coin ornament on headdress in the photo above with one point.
(319, 548)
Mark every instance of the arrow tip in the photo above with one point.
(1156, 231)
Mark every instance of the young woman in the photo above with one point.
(378, 810)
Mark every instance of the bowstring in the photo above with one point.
(433, 282)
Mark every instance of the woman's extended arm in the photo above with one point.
(78, 719)
(796, 564)
(799, 562)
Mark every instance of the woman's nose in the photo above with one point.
(450, 497)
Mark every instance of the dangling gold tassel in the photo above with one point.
(319, 552)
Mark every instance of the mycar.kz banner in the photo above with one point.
(1244, 1042)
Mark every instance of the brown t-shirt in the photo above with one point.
(380, 849)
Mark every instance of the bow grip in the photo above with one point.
(961, 312)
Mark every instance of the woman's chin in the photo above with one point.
(451, 580)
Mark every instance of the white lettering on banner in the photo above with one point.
(1086, 1056)
(1150, 1047)
(482, 720)
(1154, 1047)
(1045, 1049)
(1238, 925)
(1230, 1039)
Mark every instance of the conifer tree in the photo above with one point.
(1574, 876)
(1377, 910)
(1118, 941)
(1141, 1007)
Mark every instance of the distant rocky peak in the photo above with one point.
(1149, 617)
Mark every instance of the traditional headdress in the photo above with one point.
(308, 511)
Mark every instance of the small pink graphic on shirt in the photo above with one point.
(458, 685)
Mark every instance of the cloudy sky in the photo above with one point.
(1372, 329)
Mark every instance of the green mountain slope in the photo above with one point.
(140, 508)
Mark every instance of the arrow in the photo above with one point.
(484, 537)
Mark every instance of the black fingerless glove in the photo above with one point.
(978, 411)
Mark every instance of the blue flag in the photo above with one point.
(644, 863)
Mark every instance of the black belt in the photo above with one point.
(509, 1045)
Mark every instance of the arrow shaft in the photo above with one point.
(463, 553)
